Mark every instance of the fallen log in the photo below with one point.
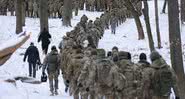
(5, 53)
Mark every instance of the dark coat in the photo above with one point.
(33, 54)
(44, 38)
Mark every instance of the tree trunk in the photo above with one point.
(182, 11)
(67, 13)
(135, 14)
(164, 6)
(18, 16)
(23, 12)
(148, 28)
(157, 24)
(43, 4)
(175, 45)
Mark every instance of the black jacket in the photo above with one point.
(33, 54)
(44, 37)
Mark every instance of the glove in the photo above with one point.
(177, 97)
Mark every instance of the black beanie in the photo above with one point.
(142, 56)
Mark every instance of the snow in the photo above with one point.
(125, 39)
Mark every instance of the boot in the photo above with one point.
(52, 93)
(56, 92)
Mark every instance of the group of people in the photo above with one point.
(32, 53)
(89, 73)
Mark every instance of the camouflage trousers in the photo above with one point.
(160, 97)
(53, 81)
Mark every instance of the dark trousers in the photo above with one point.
(45, 48)
(32, 69)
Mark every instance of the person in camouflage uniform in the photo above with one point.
(93, 33)
(52, 63)
(98, 25)
(90, 5)
(73, 73)
(84, 77)
(35, 9)
(107, 19)
(51, 8)
(11, 6)
(128, 69)
(158, 63)
(144, 90)
(30, 8)
(3, 6)
(113, 23)
(76, 7)
(82, 2)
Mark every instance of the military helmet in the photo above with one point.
(123, 55)
(94, 52)
(84, 18)
(101, 53)
(87, 53)
(154, 55)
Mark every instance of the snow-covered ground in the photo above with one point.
(125, 38)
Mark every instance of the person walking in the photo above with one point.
(33, 58)
(44, 37)
(52, 64)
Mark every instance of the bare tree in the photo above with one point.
(135, 14)
(182, 11)
(43, 4)
(67, 13)
(18, 16)
(148, 28)
(23, 12)
(157, 24)
(175, 45)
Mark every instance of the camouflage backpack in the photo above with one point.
(53, 62)
(162, 81)
(103, 72)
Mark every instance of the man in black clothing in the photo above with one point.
(44, 37)
(33, 58)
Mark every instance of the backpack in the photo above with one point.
(53, 62)
(103, 72)
(44, 77)
(162, 81)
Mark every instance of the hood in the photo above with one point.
(159, 63)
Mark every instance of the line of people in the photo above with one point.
(88, 73)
